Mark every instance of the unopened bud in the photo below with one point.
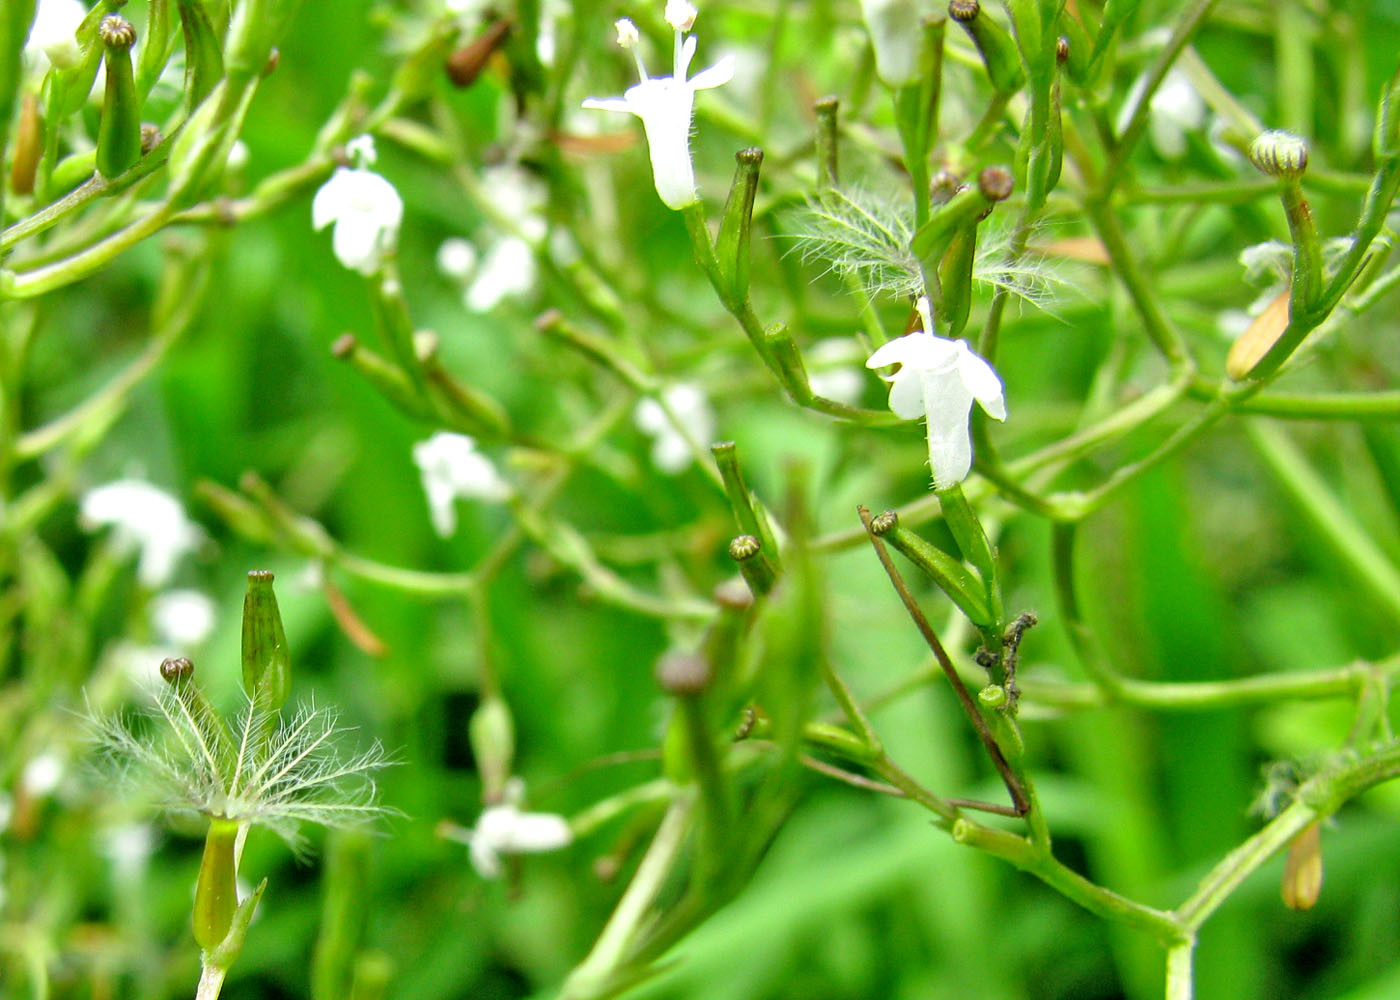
(1302, 870)
(28, 145)
(119, 129)
(1061, 49)
(176, 669)
(732, 244)
(492, 734)
(150, 137)
(884, 522)
(683, 674)
(995, 183)
(1279, 154)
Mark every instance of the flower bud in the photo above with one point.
(758, 572)
(1302, 870)
(995, 44)
(204, 57)
(492, 734)
(28, 145)
(732, 244)
(267, 667)
(1279, 154)
(216, 891)
(387, 379)
(178, 672)
(684, 675)
(965, 207)
(741, 500)
(119, 131)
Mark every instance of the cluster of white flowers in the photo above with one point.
(453, 469)
(670, 450)
(364, 207)
(665, 104)
(938, 380)
(507, 269)
(146, 520)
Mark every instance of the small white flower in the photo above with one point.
(42, 775)
(365, 208)
(670, 450)
(452, 468)
(456, 258)
(1175, 109)
(938, 380)
(146, 519)
(831, 375)
(129, 847)
(509, 269)
(504, 829)
(183, 618)
(665, 105)
(53, 32)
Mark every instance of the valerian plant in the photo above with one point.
(664, 501)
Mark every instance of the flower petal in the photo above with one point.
(329, 201)
(907, 394)
(484, 858)
(535, 832)
(982, 381)
(716, 76)
(948, 405)
(610, 104)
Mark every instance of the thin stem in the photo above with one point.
(1179, 969)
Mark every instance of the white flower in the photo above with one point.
(938, 380)
(665, 105)
(42, 775)
(456, 258)
(144, 518)
(451, 468)
(365, 208)
(183, 618)
(53, 32)
(129, 847)
(509, 269)
(504, 829)
(670, 450)
(831, 375)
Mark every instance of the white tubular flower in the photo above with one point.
(452, 468)
(938, 379)
(365, 208)
(1175, 110)
(504, 829)
(146, 519)
(508, 270)
(670, 450)
(456, 258)
(665, 104)
(53, 32)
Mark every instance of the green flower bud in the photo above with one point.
(119, 131)
(267, 667)
(732, 244)
(757, 571)
(387, 379)
(1279, 154)
(492, 733)
(216, 891)
(204, 57)
(741, 500)
(998, 49)
(1302, 870)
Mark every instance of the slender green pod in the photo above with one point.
(204, 58)
(787, 362)
(156, 45)
(216, 891)
(955, 279)
(995, 44)
(119, 131)
(732, 244)
(951, 576)
(828, 144)
(758, 571)
(267, 667)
